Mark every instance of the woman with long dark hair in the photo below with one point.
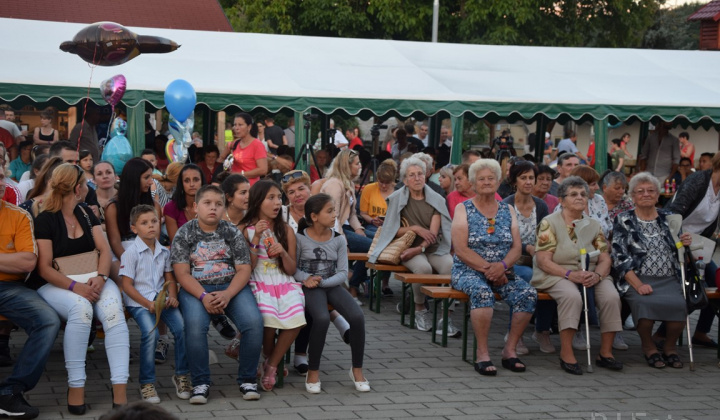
(180, 209)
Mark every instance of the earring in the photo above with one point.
(78, 198)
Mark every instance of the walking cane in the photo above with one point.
(675, 223)
(583, 240)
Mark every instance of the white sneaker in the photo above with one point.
(543, 339)
(149, 394)
(619, 343)
(452, 330)
(358, 301)
(422, 320)
(579, 342)
(629, 324)
(521, 349)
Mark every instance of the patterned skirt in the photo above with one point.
(279, 297)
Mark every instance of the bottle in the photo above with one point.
(673, 186)
(268, 239)
(700, 266)
(667, 186)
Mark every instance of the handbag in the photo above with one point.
(79, 267)
(695, 295)
(391, 254)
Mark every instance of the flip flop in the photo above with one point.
(482, 368)
(512, 364)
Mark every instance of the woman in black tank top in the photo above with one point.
(45, 124)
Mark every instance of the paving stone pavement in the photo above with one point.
(412, 378)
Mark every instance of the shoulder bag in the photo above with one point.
(391, 254)
(79, 267)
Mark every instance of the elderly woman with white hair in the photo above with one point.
(487, 243)
(427, 215)
(647, 272)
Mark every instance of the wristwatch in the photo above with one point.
(422, 249)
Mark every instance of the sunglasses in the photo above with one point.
(81, 172)
(292, 175)
(353, 152)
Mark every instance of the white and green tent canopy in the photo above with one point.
(378, 77)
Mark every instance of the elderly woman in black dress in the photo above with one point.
(647, 271)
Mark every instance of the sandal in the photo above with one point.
(572, 368)
(482, 368)
(673, 360)
(512, 364)
(269, 378)
(655, 361)
(608, 363)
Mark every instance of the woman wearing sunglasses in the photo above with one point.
(65, 227)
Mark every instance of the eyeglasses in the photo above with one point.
(449, 166)
(650, 191)
(292, 175)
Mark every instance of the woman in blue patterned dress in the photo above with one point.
(487, 243)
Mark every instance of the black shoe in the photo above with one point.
(15, 406)
(346, 337)
(709, 343)
(78, 410)
(387, 292)
(608, 363)
(572, 368)
(222, 325)
(301, 369)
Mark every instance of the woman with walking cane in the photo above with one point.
(647, 273)
(557, 254)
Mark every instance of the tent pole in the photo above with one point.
(300, 140)
(220, 131)
(540, 130)
(457, 139)
(601, 145)
(136, 127)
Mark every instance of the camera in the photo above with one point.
(375, 129)
(310, 117)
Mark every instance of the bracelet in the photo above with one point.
(252, 245)
(567, 274)
(202, 296)
(72, 285)
(503, 263)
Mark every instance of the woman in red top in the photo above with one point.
(249, 155)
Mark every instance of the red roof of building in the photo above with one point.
(710, 11)
(202, 15)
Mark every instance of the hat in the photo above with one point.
(547, 135)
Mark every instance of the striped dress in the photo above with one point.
(279, 297)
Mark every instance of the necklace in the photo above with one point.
(229, 219)
(72, 226)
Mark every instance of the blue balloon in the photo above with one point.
(180, 99)
(117, 150)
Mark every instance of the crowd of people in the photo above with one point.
(243, 241)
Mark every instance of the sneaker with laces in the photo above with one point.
(223, 326)
(452, 330)
(619, 342)
(249, 391)
(161, 351)
(182, 386)
(15, 406)
(543, 339)
(579, 342)
(149, 394)
(200, 394)
(422, 320)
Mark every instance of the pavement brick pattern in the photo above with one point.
(412, 378)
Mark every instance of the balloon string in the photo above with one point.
(87, 97)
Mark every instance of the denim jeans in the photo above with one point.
(146, 321)
(243, 312)
(26, 309)
(79, 312)
(370, 231)
(357, 243)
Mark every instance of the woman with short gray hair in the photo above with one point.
(613, 186)
(427, 215)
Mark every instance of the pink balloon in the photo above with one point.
(113, 89)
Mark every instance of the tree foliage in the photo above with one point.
(672, 31)
(578, 23)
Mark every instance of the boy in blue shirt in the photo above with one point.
(145, 267)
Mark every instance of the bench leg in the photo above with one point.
(412, 307)
(446, 306)
(466, 320)
(377, 286)
(403, 303)
(434, 324)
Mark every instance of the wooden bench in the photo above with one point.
(376, 283)
(447, 293)
(408, 279)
